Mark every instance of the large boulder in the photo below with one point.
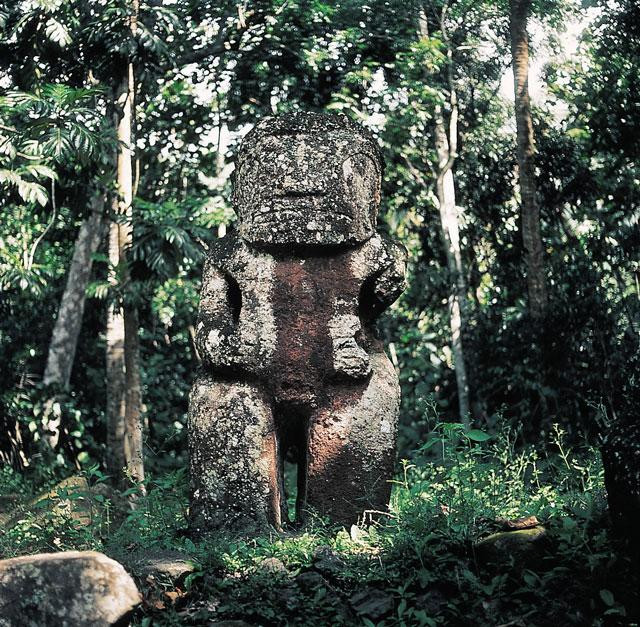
(74, 589)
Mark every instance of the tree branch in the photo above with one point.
(47, 228)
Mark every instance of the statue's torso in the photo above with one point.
(290, 307)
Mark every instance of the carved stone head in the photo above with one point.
(307, 179)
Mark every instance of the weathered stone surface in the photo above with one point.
(162, 564)
(274, 566)
(524, 522)
(311, 581)
(372, 603)
(74, 589)
(433, 601)
(286, 328)
(327, 561)
(308, 179)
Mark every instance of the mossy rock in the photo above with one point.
(164, 565)
(71, 498)
(512, 548)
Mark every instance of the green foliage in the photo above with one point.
(205, 72)
(57, 121)
(169, 236)
(423, 557)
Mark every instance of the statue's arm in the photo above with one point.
(350, 359)
(383, 264)
(218, 338)
(386, 281)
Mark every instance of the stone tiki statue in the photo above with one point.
(291, 364)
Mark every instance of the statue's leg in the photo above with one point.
(352, 442)
(233, 457)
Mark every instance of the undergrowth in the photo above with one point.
(421, 563)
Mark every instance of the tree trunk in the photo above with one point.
(450, 232)
(66, 330)
(446, 144)
(64, 339)
(133, 442)
(530, 211)
(115, 365)
(125, 402)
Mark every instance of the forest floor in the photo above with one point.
(479, 532)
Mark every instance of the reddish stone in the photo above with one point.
(292, 366)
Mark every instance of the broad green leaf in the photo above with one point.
(57, 32)
(477, 436)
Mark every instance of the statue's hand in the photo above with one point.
(350, 359)
(217, 346)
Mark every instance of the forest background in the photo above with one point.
(118, 124)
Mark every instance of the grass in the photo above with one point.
(421, 564)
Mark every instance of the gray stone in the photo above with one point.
(161, 564)
(311, 581)
(432, 602)
(292, 365)
(74, 589)
(327, 561)
(372, 603)
(273, 565)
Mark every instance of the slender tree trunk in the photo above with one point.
(133, 441)
(64, 339)
(531, 238)
(123, 356)
(450, 231)
(446, 144)
(66, 330)
(115, 361)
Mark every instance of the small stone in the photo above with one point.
(77, 588)
(310, 581)
(273, 565)
(526, 522)
(326, 561)
(357, 534)
(432, 602)
(163, 565)
(372, 603)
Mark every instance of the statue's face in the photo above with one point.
(308, 189)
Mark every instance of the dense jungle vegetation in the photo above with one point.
(516, 342)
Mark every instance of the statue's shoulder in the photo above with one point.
(396, 250)
(225, 252)
(232, 256)
(381, 250)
